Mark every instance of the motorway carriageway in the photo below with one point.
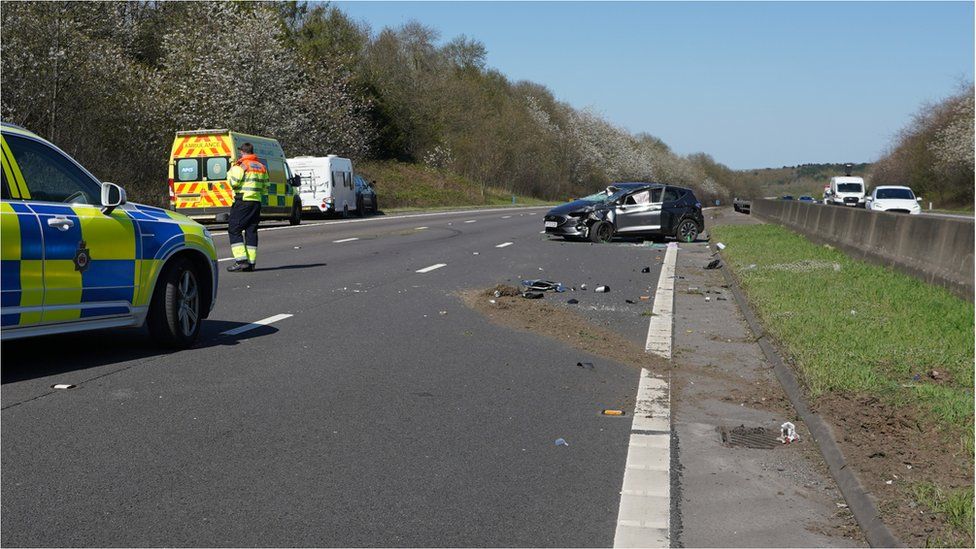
(341, 395)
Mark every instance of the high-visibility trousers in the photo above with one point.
(242, 229)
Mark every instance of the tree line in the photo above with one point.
(111, 82)
(933, 154)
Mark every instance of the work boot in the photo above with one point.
(240, 266)
(248, 268)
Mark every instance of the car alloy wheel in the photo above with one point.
(687, 231)
(188, 303)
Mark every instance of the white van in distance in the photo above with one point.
(327, 183)
(845, 191)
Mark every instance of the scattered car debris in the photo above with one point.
(297, 248)
(492, 301)
(788, 435)
(646, 270)
(582, 286)
(561, 442)
(585, 365)
(645, 298)
(602, 289)
(573, 301)
(63, 386)
(631, 301)
(720, 246)
(614, 413)
(539, 285)
(707, 298)
(443, 313)
(532, 295)
(714, 264)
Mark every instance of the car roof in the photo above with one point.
(8, 127)
(892, 187)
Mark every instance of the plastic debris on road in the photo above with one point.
(532, 295)
(602, 289)
(582, 286)
(788, 433)
(561, 442)
(539, 285)
(573, 301)
(631, 301)
(614, 413)
(714, 264)
(646, 270)
(720, 246)
(585, 365)
(645, 298)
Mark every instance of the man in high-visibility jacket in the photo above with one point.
(249, 180)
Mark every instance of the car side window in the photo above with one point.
(50, 176)
(671, 194)
(641, 197)
(656, 195)
(4, 189)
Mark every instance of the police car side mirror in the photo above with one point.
(113, 196)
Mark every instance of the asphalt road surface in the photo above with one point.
(360, 415)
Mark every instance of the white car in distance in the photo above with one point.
(893, 199)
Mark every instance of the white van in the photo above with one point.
(845, 191)
(327, 184)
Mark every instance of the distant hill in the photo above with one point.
(796, 180)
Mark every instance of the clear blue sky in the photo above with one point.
(754, 84)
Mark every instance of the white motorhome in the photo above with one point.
(327, 184)
(845, 191)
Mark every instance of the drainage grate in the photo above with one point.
(750, 437)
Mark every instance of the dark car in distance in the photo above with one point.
(807, 198)
(365, 197)
(652, 210)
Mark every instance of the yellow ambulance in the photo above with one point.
(198, 186)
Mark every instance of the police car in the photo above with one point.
(76, 256)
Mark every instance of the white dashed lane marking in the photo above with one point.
(471, 221)
(257, 324)
(344, 240)
(421, 228)
(504, 244)
(431, 268)
(506, 217)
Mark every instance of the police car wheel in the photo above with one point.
(175, 312)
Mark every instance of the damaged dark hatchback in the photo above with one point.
(651, 210)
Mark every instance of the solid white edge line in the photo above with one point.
(644, 515)
(389, 218)
(431, 268)
(504, 244)
(256, 324)
(658, 340)
(344, 240)
(420, 228)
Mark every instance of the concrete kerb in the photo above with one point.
(860, 502)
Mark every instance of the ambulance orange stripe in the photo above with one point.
(223, 146)
(180, 148)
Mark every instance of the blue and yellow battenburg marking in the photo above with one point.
(98, 259)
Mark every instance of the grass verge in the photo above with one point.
(403, 186)
(851, 328)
